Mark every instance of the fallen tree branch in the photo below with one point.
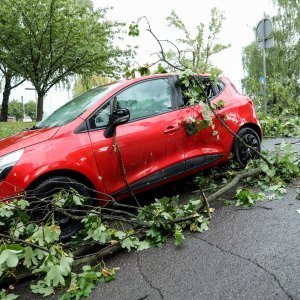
(206, 203)
(108, 250)
(234, 182)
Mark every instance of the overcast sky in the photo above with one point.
(241, 16)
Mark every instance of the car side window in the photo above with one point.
(220, 86)
(208, 88)
(101, 117)
(147, 98)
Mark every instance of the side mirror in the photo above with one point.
(118, 117)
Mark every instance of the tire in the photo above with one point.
(47, 189)
(241, 153)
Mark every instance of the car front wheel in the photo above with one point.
(242, 154)
(45, 198)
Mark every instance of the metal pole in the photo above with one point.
(35, 98)
(265, 79)
(23, 107)
(264, 69)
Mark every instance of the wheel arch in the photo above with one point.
(253, 126)
(63, 172)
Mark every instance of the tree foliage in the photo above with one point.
(283, 62)
(30, 109)
(83, 84)
(15, 109)
(197, 50)
(48, 41)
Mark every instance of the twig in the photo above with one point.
(116, 145)
(188, 218)
(206, 203)
(23, 242)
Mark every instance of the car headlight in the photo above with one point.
(8, 161)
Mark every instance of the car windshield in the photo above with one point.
(76, 107)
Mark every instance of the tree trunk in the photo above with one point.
(6, 94)
(40, 105)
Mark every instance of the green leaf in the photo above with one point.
(134, 29)
(29, 257)
(54, 276)
(18, 230)
(5, 296)
(128, 244)
(23, 203)
(9, 257)
(38, 236)
(179, 237)
(142, 245)
(51, 233)
(40, 288)
(204, 226)
(78, 200)
(120, 234)
(65, 264)
(265, 168)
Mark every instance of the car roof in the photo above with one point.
(132, 80)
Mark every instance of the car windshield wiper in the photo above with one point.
(34, 127)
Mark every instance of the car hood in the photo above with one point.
(25, 139)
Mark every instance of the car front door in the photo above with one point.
(150, 144)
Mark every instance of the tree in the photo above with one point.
(30, 109)
(83, 84)
(283, 61)
(48, 41)
(15, 109)
(11, 81)
(198, 50)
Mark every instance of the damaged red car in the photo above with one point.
(75, 146)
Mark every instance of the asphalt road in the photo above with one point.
(246, 254)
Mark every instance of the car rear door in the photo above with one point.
(205, 146)
(150, 144)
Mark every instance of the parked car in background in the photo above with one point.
(11, 119)
(27, 119)
(75, 148)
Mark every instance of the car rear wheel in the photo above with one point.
(242, 154)
(60, 187)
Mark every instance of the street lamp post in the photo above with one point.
(35, 98)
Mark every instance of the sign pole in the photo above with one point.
(265, 80)
(264, 70)
(265, 40)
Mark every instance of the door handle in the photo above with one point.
(171, 129)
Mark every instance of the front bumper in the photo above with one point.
(8, 191)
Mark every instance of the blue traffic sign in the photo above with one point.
(262, 79)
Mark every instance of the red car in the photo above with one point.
(75, 145)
